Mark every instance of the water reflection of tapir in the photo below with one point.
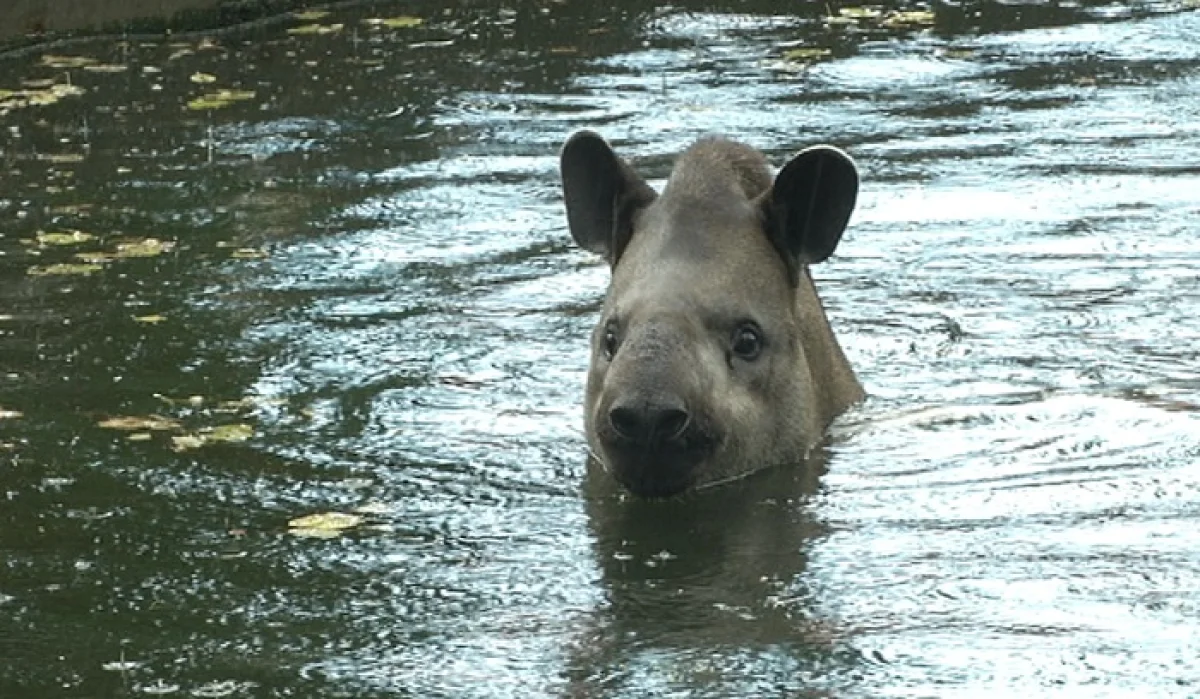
(712, 357)
(709, 594)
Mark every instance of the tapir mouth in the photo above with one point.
(661, 469)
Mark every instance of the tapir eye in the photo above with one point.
(747, 342)
(610, 342)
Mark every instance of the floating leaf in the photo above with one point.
(248, 254)
(144, 247)
(54, 61)
(373, 508)
(202, 78)
(239, 432)
(860, 12)
(64, 238)
(10, 414)
(184, 442)
(106, 68)
(906, 18)
(53, 92)
(312, 29)
(134, 423)
(95, 257)
(805, 54)
(61, 158)
(839, 20)
(311, 15)
(398, 22)
(325, 525)
(139, 437)
(64, 269)
(150, 319)
(220, 98)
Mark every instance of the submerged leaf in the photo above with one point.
(202, 78)
(154, 319)
(311, 15)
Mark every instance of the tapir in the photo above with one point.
(712, 357)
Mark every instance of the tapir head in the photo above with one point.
(712, 356)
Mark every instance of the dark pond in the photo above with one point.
(345, 285)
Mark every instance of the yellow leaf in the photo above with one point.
(203, 78)
(325, 525)
(133, 423)
(398, 22)
(913, 17)
(312, 29)
(145, 247)
(150, 319)
(248, 254)
(805, 54)
(230, 433)
(311, 15)
(183, 442)
(54, 61)
(106, 68)
(139, 437)
(95, 257)
(64, 269)
(64, 238)
(220, 98)
(61, 158)
(859, 12)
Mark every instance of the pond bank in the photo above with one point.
(28, 22)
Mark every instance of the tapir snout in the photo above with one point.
(712, 357)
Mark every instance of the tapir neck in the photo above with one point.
(836, 385)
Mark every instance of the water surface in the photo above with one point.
(364, 266)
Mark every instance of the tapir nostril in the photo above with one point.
(649, 424)
(671, 424)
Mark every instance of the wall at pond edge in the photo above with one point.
(30, 21)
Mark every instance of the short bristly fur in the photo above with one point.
(713, 356)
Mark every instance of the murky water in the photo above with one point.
(363, 267)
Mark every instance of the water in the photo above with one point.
(370, 270)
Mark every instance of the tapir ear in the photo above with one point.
(807, 208)
(602, 193)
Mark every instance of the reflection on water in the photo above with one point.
(365, 265)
